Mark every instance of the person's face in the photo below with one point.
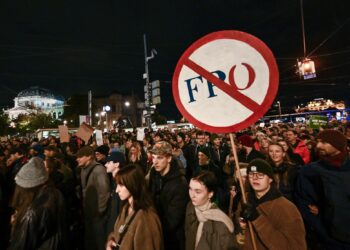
(276, 153)
(259, 182)
(32, 152)
(284, 145)
(202, 159)
(83, 161)
(179, 139)
(99, 156)
(200, 140)
(217, 142)
(290, 136)
(133, 150)
(123, 192)
(265, 143)
(161, 163)
(199, 193)
(326, 149)
(111, 166)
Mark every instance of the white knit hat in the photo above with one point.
(32, 174)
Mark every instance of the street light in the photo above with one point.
(279, 109)
(105, 111)
(127, 104)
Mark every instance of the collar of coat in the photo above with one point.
(272, 194)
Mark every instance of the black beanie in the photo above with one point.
(261, 166)
(333, 137)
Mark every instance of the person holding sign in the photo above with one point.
(276, 222)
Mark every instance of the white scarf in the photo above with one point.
(204, 213)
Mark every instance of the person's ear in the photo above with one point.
(211, 194)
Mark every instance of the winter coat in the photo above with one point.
(328, 188)
(290, 172)
(279, 225)
(43, 225)
(96, 192)
(170, 195)
(215, 234)
(143, 233)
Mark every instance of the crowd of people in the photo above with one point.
(179, 190)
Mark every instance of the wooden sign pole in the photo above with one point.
(238, 172)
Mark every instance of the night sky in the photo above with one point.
(72, 46)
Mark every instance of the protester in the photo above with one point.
(169, 191)
(276, 222)
(138, 226)
(95, 194)
(39, 218)
(298, 146)
(323, 193)
(114, 163)
(285, 173)
(206, 226)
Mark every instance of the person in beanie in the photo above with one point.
(39, 218)
(101, 153)
(323, 192)
(95, 195)
(276, 222)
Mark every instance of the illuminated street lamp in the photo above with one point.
(106, 109)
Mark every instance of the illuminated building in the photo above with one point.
(34, 100)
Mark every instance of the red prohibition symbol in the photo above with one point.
(247, 97)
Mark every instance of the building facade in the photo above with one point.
(34, 100)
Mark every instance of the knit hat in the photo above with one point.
(116, 157)
(103, 149)
(32, 174)
(246, 140)
(333, 137)
(261, 166)
(162, 148)
(205, 150)
(85, 151)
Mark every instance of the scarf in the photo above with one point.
(205, 213)
(336, 160)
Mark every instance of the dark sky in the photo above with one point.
(72, 46)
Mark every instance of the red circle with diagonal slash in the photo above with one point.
(258, 110)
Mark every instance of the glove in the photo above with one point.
(249, 212)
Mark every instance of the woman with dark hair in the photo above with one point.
(39, 220)
(285, 172)
(206, 226)
(138, 225)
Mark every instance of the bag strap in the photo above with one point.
(124, 228)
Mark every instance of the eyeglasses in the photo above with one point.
(256, 175)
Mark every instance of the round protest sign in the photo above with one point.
(225, 81)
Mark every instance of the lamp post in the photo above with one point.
(106, 109)
(279, 109)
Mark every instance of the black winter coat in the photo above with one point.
(170, 195)
(43, 225)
